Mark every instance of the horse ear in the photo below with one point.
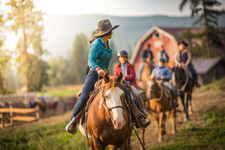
(106, 78)
(120, 77)
(154, 77)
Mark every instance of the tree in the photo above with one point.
(28, 25)
(5, 56)
(114, 59)
(207, 12)
(79, 58)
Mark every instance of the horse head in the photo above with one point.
(113, 99)
(153, 89)
(178, 77)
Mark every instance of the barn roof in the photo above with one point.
(204, 65)
(143, 38)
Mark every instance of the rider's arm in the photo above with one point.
(189, 58)
(152, 56)
(93, 55)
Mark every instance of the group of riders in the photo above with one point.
(98, 62)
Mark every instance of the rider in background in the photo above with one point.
(162, 73)
(147, 56)
(128, 72)
(162, 53)
(183, 59)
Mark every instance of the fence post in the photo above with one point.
(2, 120)
(37, 112)
(11, 115)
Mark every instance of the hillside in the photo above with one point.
(60, 30)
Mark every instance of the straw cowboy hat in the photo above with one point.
(104, 27)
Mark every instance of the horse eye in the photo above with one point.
(107, 97)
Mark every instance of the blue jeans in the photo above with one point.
(191, 68)
(91, 79)
(127, 94)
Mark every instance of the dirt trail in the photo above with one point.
(200, 102)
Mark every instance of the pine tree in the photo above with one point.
(207, 14)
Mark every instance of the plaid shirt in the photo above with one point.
(99, 55)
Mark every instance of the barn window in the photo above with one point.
(156, 35)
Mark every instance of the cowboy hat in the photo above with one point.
(183, 42)
(104, 27)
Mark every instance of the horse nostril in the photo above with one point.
(115, 122)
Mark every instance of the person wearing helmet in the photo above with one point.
(183, 59)
(162, 73)
(128, 72)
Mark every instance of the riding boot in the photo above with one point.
(72, 126)
(140, 118)
(197, 84)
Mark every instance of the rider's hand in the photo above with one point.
(162, 77)
(148, 59)
(179, 65)
(123, 79)
(100, 72)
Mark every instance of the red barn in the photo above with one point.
(156, 37)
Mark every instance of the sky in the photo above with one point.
(110, 7)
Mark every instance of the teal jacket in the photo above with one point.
(99, 55)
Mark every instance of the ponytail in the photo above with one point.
(91, 40)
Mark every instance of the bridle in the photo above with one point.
(103, 102)
(161, 93)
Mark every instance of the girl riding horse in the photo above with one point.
(98, 61)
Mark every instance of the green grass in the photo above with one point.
(210, 136)
(41, 137)
(217, 85)
(60, 92)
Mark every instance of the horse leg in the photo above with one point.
(187, 100)
(112, 147)
(173, 120)
(142, 138)
(185, 108)
(190, 104)
(160, 126)
(164, 124)
(97, 144)
(125, 145)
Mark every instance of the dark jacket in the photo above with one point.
(146, 53)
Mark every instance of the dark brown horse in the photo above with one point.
(161, 105)
(108, 120)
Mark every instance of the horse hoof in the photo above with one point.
(163, 132)
(174, 132)
(141, 148)
(186, 119)
(161, 140)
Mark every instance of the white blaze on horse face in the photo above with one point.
(150, 84)
(113, 99)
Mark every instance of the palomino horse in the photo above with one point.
(146, 72)
(184, 84)
(161, 105)
(108, 120)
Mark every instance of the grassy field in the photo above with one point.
(50, 133)
(61, 91)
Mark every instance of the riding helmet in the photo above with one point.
(161, 59)
(122, 53)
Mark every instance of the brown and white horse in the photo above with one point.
(108, 120)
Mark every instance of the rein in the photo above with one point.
(187, 79)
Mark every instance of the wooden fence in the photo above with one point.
(12, 118)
